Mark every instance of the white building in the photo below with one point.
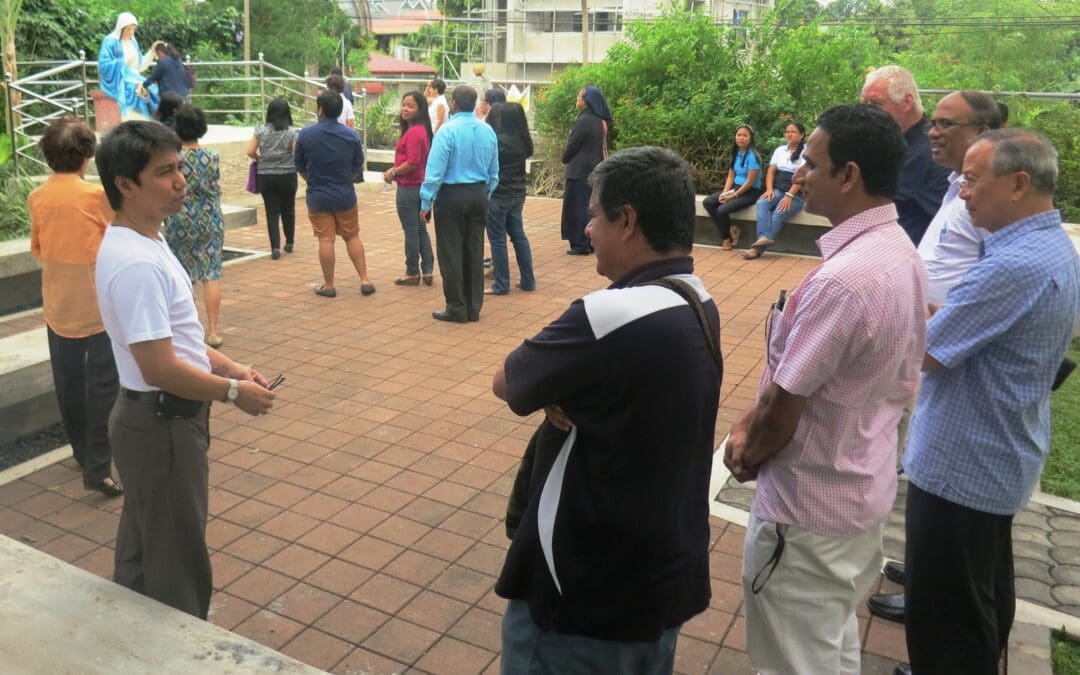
(528, 39)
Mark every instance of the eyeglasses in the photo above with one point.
(965, 184)
(945, 125)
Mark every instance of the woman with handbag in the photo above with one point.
(271, 150)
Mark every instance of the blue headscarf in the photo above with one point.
(595, 102)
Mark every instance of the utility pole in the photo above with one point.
(584, 32)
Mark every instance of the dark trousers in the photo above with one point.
(721, 213)
(161, 540)
(960, 598)
(460, 216)
(575, 213)
(278, 192)
(84, 375)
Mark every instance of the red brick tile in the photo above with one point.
(736, 635)
(68, 547)
(99, 562)
(267, 628)
(339, 577)
(42, 504)
(386, 499)
(371, 552)
(463, 584)
(296, 561)
(416, 567)
(385, 593)
(887, 639)
(364, 662)
(36, 533)
(304, 603)
(451, 493)
(100, 528)
(227, 568)
(452, 657)
(348, 488)
(440, 467)
(17, 491)
(289, 526)
(399, 456)
(260, 586)
(283, 495)
(317, 649)
(279, 467)
(351, 621)
(434, 611)
(222, 500)
(401, 641)
(375, 471)
(228, 611)
(339, 462)
(320, 506)
(481, 628)
(709, 626)
(247, 484)
(328, 538)
(255, 547)
(400, 531)
(426, 511)
(250, 513)
(445, 545)
(485, 558)
(469, 524)
(731, 662)
(411, 482)
(362, 447)
(360, 518)
(312, 477)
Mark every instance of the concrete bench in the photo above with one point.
(798, 236)
(27, 398)
(61, 619)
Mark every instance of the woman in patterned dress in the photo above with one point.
(196, 235)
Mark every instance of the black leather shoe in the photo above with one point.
(902, 669)
(578, 251)
(445, 316)
(288, 248)
(890, 607)
(106, 486)
(275, 254)
(894, 571)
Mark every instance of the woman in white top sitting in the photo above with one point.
(781, 199)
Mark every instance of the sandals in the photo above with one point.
(213, 340)
(326, 292)
(408, 281)
(735, 233)
(754, 253)
(106, 486)
(428, 279)
(367, 289)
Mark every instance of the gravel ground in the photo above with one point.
(29, 447)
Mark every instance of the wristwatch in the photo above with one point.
(234, 391)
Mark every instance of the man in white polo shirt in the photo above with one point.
(159, 425)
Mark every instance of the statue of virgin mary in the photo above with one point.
(119, 65)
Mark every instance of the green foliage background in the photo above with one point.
(685, 83)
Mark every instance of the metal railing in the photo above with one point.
(229, 92)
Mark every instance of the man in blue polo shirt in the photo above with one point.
(328, 154)
(980, 432)
(461, 172)
(611, 555)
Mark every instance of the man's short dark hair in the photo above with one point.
(126, 151)
(438, 85)
(330, 103)
(656, 183)
(494, 96)
(66, 144)
(465, 98)
(984, 109)
(337, 71)
(337, 83)
(189, 123)
(870, 138)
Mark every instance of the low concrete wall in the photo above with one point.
(61, 619)
(799, 235)
(27, 398)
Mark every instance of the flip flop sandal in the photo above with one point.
(326, 292)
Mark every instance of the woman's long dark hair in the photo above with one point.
(508, 119)
(749, 148)
(422, 116)
(172, 51)
(802, 143)
(278, 114)
(166, 112)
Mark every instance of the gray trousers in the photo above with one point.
(460, 220)
(161, 541)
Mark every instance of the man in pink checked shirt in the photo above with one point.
(843, 356)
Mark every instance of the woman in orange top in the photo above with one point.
(68, 217)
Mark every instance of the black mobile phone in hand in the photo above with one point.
(272, 384)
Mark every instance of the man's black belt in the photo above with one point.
(139, 395)
(457, 185)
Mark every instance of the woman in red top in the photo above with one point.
(410, 158)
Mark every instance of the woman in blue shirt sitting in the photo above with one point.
(781, 199)
(741, 189)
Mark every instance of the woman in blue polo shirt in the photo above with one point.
(741, 189)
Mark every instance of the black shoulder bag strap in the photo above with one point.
(690, 295)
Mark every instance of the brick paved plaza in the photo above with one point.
(358, 526)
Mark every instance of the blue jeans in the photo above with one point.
(417, 241)
(526, 650)
(504, 218)
(769, 220)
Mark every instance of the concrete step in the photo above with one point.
(61, 619)
(27, 398)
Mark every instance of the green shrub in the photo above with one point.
(14, 189)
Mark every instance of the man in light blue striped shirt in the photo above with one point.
(461, 173)
(981, 428)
